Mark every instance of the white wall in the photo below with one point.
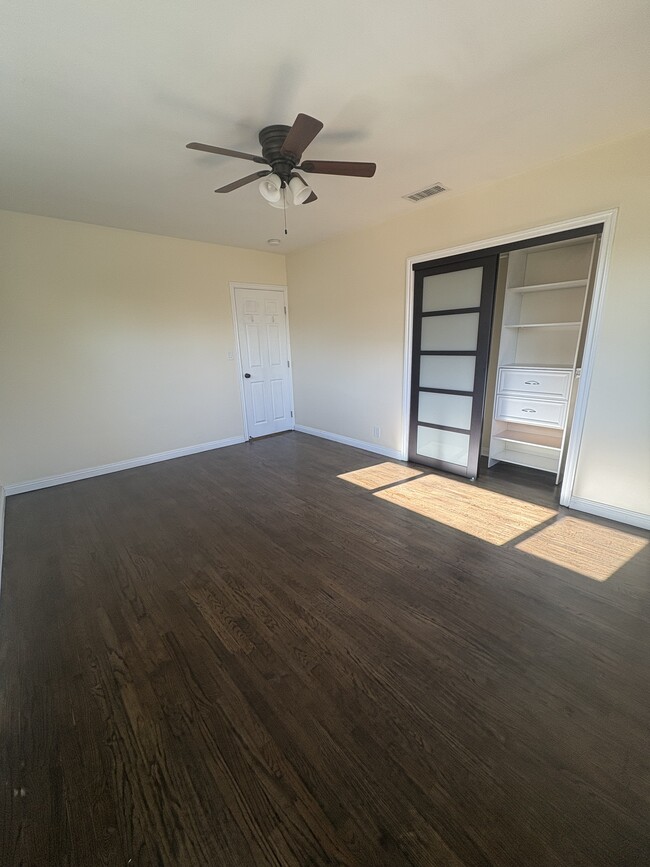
(113, 344)
(348, 297)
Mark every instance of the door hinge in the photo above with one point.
(288, 363)
(285, 310)
(291, 413)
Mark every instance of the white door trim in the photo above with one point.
(608, 219)
(235, 284)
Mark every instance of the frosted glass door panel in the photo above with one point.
(452, 290)
(443, 445)
(452, 312)
(448, 410)
(455, 372)
(456, 332)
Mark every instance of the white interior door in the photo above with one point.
(264, 355)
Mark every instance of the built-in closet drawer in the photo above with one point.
(535, 381)
(530, 411)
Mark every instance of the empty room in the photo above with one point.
(325, 434)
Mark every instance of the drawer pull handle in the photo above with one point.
(529, 410)
(531, 382)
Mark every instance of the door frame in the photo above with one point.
(234, 285)
(608, 220)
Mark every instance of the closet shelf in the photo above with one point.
(545, 325)
(549, 287)
(564, 367)
(532, 438)
(537, 462)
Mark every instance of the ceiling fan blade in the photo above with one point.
(312, 196)
(302, 133)
(330, 167)
(235, 185)
(212, 149)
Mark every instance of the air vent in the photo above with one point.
(433, 190)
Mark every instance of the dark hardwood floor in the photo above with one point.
(241, 658)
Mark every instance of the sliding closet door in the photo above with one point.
(452, 318)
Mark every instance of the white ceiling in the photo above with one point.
(98, 100)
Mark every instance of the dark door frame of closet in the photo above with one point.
(538, 241)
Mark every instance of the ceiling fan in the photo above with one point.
(282, 149)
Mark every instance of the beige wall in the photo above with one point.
(347, 301)
(113, 344)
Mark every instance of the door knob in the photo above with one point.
(247, 376)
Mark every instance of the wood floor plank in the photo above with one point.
(296, 653)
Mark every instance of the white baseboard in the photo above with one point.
(614, 513)
(2, 527)
(89, 473)
(348, 441)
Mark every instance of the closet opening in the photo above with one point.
(543, 301)
(520, 398)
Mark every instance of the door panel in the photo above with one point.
(275, 350)
(262, 334)
(455, 332)
(447, 446)
(452, 317)
(254, 352)
(447, 371)
(258, 403)
(271, 307)
(277, 399)
(450, 410)
(455, 289)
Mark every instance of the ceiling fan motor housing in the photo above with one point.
(272, 138)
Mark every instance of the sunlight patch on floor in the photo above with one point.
(380, 475)
(589, 549)
(487, 515)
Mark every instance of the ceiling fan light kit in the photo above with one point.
(282, 149)
(271, 188)
(299, 190)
